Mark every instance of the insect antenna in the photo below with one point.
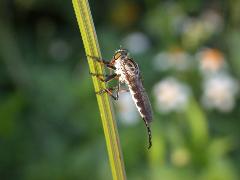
(149, 134)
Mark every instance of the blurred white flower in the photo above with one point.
(171, 95)
(211, 61)
(59, 49)
(220, 91)
(174, 59)
(136, 42)
(127, 110)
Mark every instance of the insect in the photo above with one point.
(126, 70)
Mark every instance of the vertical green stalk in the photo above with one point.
(197, 123)
(87, 30)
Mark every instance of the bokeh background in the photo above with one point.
(188, 52)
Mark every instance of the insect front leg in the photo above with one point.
(107, 78)
(109, 91)
(102, 61)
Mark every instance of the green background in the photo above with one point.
(50, 126)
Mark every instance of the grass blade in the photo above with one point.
(87, 30)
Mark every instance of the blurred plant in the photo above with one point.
(197, 30)
(49, 126)
(59, 50)
(213, 21)
(171, 95)
(180, 157)
(169, 26)
(124, 14)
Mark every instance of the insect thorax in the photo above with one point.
(127, 69)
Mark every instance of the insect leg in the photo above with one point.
(102, 61)
(119, 90)
(109, 91)
(149, 134)
(98, 59)
(107, 79)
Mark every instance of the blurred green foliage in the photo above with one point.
(50, 126)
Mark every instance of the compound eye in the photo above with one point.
(117, 55)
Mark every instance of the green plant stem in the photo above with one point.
(87, 30)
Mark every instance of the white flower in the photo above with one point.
(211, 61)
(174, 59)
(220, 91)
(137, 42)
(127, 110)
(171, 95)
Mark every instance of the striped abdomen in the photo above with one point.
(130, 74)
(143, 104)
(141, 99)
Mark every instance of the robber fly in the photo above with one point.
(127, 71)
